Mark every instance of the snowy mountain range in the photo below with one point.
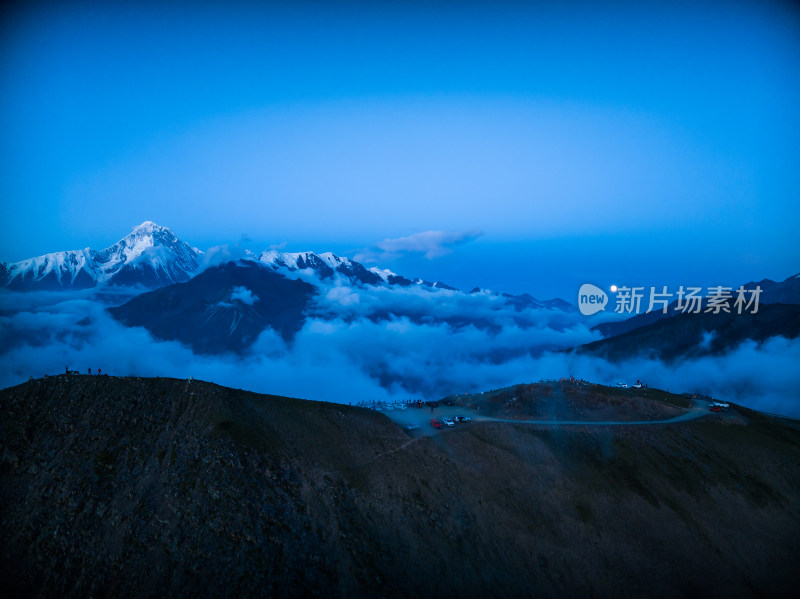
(216, 308)
(326, 264)
(151, 256)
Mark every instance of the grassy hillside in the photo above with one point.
(126, 487)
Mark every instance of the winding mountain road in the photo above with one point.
(698, 410)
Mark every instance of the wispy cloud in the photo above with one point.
(218, 254)
(432, 244)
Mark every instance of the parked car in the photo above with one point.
(622, 385)
(462, 419)
(448, 421)
(436, 423)
(412, 427)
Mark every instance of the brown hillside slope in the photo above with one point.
(125, 487)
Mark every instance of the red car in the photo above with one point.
(436, 423)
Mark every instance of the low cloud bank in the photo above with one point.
(244, 295)
(349, 356)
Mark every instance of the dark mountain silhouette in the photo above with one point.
(785, 292)
(688, 335)
(224, 308)
(128, 487)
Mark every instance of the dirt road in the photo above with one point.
(422, 418)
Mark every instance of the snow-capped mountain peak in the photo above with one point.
(383, 273)
(333, 260)
(140, 240)
(327, 265)
(149, 226)
(324, 266)
(151, 255)
(291, 260)
(56, 269)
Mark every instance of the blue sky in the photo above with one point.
(628, 142)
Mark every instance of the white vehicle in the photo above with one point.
(448, 421)
(622, 385)
(400, 406)
(636, 386)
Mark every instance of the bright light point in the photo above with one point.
(613, 289)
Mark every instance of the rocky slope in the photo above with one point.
(126, 487)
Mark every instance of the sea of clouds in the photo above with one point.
(365, 344)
